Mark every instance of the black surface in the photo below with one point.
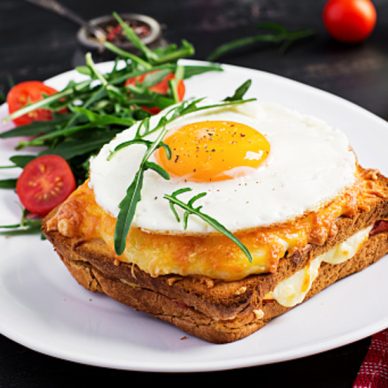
(35, 44)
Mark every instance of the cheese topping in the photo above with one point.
(294, 289)
(211, 255)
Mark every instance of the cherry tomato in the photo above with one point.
(44, 183)
(160, 88)
(26, 93)
(349, 20)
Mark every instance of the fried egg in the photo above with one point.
(258, 163)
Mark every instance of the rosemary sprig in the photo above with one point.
(279, 35)
(190, 209)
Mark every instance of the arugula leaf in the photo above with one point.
(153, 78)
(134, 39)
(50, 99)
(159, 56)
(8, 183)
(103, 119)
(125, 54)
(88, 114)
(279, 35)
(158, 169)
(190, 209)
(35, 128)
(133, 195)
(65, 132)
(240, 91)
(84, 145)
(191, 71)
(127, 212)
(21, 160)
(26, 226)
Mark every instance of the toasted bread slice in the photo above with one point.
(213, 309)
(161, 298)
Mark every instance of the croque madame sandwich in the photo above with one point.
(219, 216)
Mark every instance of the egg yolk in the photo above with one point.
(210, 151)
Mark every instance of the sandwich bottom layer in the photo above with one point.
(188, 318)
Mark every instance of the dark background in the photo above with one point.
(35, 44)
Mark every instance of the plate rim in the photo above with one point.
(215, 365)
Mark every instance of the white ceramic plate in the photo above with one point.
(43, 308)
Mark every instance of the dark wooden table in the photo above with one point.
(36, 45)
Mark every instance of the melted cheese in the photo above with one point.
(346, 250)
(294, 289)
(211, 255)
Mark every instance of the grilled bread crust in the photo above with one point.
(245, 313)
(216, 310)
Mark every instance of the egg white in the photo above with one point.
(309, 164)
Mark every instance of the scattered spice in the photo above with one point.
(114, 32)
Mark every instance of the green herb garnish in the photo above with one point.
(133, 195)
(190, 209)
(90, 113)
(240, 91)
(276, 34)
(8, 183)
(26, 226)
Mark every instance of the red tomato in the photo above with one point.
(44, 183)
(349, 20)
(26, 93)
(160, 88)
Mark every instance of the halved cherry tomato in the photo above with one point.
(26, 93)
(349, 20)
(160, 88)
(45, 183)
